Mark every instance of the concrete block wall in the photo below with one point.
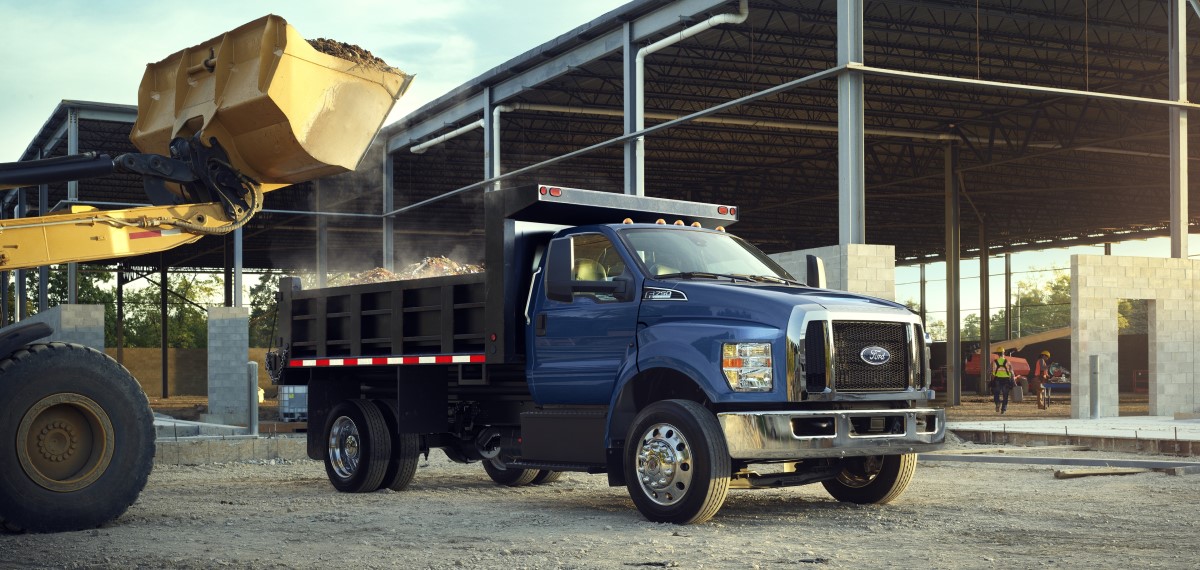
(858, 268)
(228, 353)
(1172, 287)
(80, 324)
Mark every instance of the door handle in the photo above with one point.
(539, 328)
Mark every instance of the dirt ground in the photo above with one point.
(279, 514)
(284, 514)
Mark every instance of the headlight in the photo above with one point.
(747, 366)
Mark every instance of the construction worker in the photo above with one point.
(1041, 375)
(1002, 381)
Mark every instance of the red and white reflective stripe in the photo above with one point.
(153, 234)
(390, 360)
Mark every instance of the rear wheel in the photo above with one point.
(84, 436)
(358, 447)
(507, 475)
(678, 468)
(546, 476)
(406, 451)
(875, 479)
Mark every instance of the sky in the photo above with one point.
(96, 50)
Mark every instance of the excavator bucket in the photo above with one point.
(284, 111)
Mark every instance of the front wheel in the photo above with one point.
(877, 479)
(358, 447)
(677, 469)
(83, 435)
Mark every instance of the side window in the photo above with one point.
(595, 259)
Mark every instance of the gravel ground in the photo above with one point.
(955, 515)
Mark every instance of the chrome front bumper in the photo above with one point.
(832, 433)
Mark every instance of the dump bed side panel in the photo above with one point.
(434, 316)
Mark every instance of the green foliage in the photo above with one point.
(263, 325)
(187, 318)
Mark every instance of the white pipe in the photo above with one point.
(640, 66)
(418, 149)
(496, 141)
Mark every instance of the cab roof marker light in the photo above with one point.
(678, 222)
(695, 224)
(660, 222)
(720, 228)
(627, 221)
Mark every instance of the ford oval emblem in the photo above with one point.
(875, 355)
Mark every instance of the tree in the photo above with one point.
(187, 317)
(263, 305)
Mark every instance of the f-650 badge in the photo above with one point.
(875, 355)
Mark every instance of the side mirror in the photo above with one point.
(816, 272)
(558, 270)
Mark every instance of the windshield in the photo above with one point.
(669, 251)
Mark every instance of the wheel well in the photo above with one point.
(648, 387)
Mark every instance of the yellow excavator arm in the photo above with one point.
(219, 124)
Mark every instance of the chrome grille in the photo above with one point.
(852, 374)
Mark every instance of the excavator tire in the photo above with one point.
(84, 438)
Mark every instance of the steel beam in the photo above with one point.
(953, 330)
(629, 120)
(388, 249)
(656, 22)
(72, 196)
(1179, 132)
(851, 125)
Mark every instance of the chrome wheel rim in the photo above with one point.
(664, 464)
(861, 474)
(345, 447)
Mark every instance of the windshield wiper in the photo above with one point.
(703, 274)
(774, 279)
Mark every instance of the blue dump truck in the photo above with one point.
(614, 334)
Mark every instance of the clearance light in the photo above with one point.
(542, 190)
(723, 210)
(720, 228)
(660, 222)
(695, 224)
(747, 366)
(679, 222)
(627, 221)
(556, 192)
(732, 211)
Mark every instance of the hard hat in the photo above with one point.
(1045, 353)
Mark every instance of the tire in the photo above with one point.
(545, 477)
(508, 476)
(406, 451)
(676, 463)
(358, 447)
(84, 435)
(877, 479)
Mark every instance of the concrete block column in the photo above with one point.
(858, 268)
(80, 324)
(228, 353)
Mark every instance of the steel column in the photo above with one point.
(237, 266)
(72, 196)
(21, 311)
(1179, 144)
(162, 313)
(388, 248)
(43, 294)
(924, 323)
(1008, 334)
(628, 59)
(851, 145)
(120, 324)
(985, 309)
(953, 330)
(322, 241)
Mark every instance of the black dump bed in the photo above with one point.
(478, 314)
